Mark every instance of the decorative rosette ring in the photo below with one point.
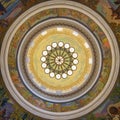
(59, 60)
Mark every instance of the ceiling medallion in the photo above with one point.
(67, 61)
(59, 60)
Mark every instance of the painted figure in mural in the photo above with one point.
(2, 9)
(6, 109)
(115, 7)
(117, 11)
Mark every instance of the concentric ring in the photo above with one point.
(73, 88)
(35, 22)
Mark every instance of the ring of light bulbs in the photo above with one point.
(59, 60)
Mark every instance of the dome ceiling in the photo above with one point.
(59, 52)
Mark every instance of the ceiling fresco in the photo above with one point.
(59, 59)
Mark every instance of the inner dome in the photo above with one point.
(59, 59)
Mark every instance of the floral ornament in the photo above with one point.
(59, 60)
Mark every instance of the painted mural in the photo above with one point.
(109, 110)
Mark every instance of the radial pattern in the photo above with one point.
(59, 60)
(63, 53)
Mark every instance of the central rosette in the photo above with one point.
(59, 60)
